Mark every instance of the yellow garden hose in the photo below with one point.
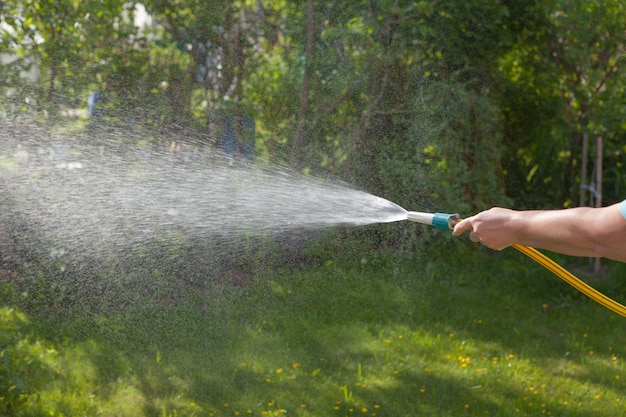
(571, 279)
(447, 221)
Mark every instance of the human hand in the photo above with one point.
(492, 228)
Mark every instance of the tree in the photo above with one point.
(299, 138)
(570, 73)
(70, 42)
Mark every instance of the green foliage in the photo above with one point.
(463, 145)
(541, 73)
(14, 390)
(69, 43)
(564, 80)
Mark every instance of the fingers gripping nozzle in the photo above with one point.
(439, 220)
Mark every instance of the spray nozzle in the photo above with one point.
(439, 220)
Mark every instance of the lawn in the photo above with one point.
(454, 330)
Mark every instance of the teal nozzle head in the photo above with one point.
(439, 220)
(445, 221)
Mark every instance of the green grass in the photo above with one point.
(366, 333)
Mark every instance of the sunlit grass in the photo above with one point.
(387, 337)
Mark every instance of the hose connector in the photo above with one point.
(439, 220)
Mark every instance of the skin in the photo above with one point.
(581, 231)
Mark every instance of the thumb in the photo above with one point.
(464, 225)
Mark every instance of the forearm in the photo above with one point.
(579, 232)
(576, 231)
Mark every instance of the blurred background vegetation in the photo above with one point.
(468, 104)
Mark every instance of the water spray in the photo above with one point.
(447, 222)
(108, 207)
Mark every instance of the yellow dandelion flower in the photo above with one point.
(364, 410)
(511, 356)
(264, 413)
(279, 371)
(336, 408)
(422, 390)
(387, 341)
(616, 376)
(376, 406)
(303, 406)
(295, 365)
(597, 396)
(451, 335)
(400, 337)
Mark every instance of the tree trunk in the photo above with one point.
(53, 66)
(297, 150)
(240, 62)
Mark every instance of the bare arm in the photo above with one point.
(582, 231)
